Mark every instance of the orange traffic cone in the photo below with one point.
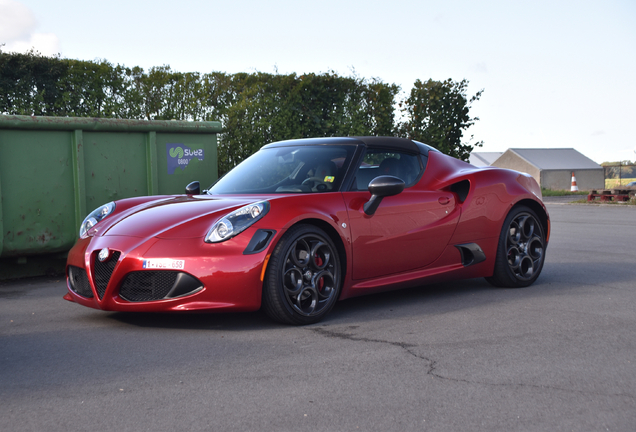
(574, 187)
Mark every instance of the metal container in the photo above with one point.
(56, 170)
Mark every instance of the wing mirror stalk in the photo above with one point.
(193, 188)
(381, 187)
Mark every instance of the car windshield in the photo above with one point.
(293, 169)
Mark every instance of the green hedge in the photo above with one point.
(255, 108)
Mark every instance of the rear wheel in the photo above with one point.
(520, 251)
(302, 282)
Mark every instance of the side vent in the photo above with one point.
(461, 189)
(471, 254)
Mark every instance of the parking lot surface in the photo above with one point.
(559, 355)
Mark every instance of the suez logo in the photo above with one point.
(179, 156)
(179, 153)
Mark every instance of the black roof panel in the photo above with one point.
(369, 141)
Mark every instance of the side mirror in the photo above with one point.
(193, 188)
(381, 187)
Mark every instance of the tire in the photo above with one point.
(520, 251)
(303, 278)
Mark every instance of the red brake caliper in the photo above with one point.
(321, 283)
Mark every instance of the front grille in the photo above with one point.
(103, 271)
(147, 285)
(78, 281)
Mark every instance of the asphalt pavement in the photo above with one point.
(563, 199)
(463, 356)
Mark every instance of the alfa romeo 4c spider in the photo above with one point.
(303, 223)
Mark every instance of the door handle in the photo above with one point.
(443, 200)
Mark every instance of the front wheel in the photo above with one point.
(520, 251)
(303, 280)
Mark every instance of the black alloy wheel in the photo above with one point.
(303, 281)
(521, 250)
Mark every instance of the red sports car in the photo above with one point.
(303, 223)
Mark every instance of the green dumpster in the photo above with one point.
(55, 170)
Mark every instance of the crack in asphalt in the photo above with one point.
(431, 365)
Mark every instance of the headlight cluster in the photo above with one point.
(96, 216)
(236, 222)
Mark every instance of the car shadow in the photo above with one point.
(426, 299)
(368, 305)
(557, 279)
(227, 321)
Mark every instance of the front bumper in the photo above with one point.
(210, 276)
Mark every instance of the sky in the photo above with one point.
(555, 74)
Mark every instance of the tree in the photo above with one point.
(254, 108)
(259, 108)
(29, 83)
(437, 114)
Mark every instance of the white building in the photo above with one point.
(552, 168)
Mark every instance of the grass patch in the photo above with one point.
(551, 192)
(614, 183)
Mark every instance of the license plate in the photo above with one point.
(164, 263)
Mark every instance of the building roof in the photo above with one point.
(482, 159)
(555, 158)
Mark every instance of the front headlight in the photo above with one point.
(97, 215)
(236, 222)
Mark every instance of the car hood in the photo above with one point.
(179, 216)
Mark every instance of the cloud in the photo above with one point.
(481, 67)
(45, 43)
(18, 30)
(16, 21)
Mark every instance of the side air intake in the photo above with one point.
(461, 189)
(471, 253)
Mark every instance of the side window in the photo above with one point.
(378, 162)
